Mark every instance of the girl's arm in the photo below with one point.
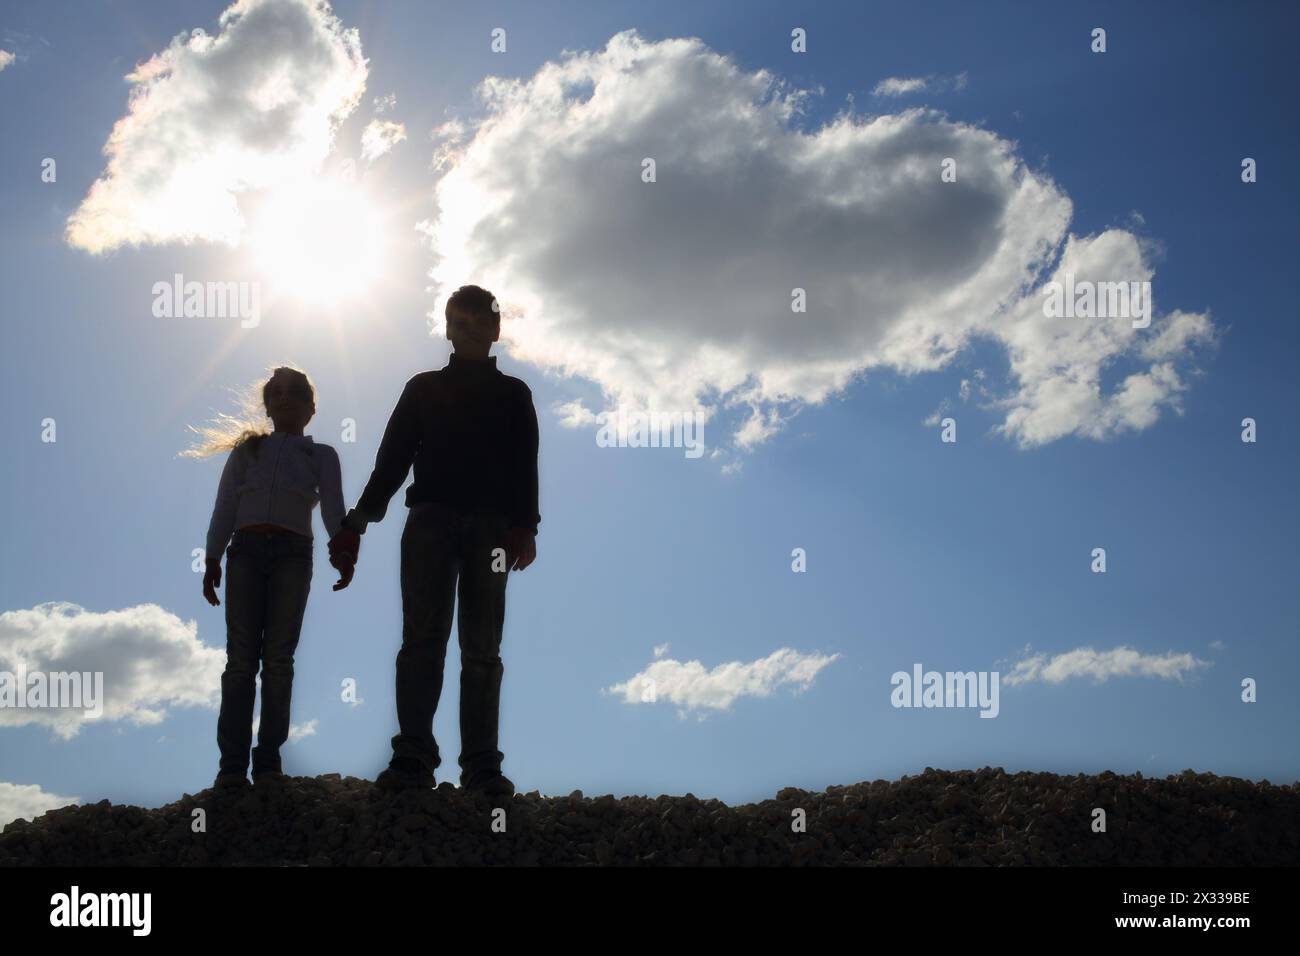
(222, 525)
(330, 487)
(331, 490)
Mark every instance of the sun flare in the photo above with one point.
(320, 242)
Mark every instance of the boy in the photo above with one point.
(471, 433)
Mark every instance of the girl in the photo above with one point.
(272, 480)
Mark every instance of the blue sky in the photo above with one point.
(953, 555)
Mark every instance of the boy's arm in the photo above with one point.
(392, 463)
(524, 513)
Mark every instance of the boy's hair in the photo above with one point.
(475, 301)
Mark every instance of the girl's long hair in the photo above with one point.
(249, 424)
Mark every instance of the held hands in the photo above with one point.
(345, 569)
(212, 581)
(521, 551)
(344, 548)
(521, 548)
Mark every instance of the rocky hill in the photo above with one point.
(963, 818)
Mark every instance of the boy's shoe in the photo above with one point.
(405, 773)
(268, 778)
(491, 782)
(230, 780)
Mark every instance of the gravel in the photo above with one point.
(964, 818)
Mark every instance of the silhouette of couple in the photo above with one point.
(471, 434)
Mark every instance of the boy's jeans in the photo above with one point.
(268, 576)
(445, 551)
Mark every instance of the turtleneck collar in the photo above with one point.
(471, 367)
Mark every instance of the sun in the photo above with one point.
(321, 241)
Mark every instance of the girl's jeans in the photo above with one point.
(268, 576)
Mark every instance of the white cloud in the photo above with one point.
(661, 649)
(1102, 666)
(212, 118)
(761, 425)
(691, 687)
(678, 293)
(386, 103)
(150, 659)
(936, 416)
(1058, 363)
(1181, 331)
(902, 86)
(379, 137)
(6, 58)
(28, 801)
(898, 86)
(575, 414)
